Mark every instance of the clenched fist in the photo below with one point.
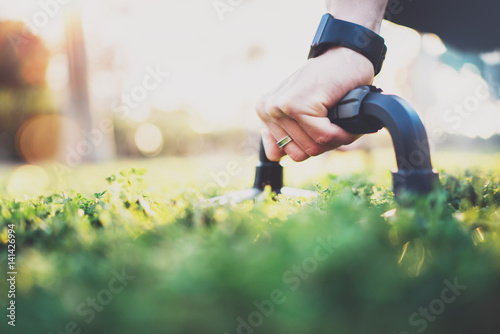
(299, 106)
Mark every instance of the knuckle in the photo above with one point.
(288, 107)
(298, 156)
(314, 151)
(261, 109)
(323, 139)
(275, 112)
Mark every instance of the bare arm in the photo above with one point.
(368, 13)
(299, 106)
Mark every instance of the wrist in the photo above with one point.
(334, 32)
(355, 59)
(367, 13)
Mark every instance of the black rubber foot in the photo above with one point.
(269, 173)
(417, 181)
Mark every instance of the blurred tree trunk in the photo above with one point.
(90, 144)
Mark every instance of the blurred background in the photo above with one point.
(175, 82)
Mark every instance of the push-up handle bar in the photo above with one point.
(365, 110)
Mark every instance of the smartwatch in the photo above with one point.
(333, 32)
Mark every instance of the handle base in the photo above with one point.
(269, 174)
(416, 181)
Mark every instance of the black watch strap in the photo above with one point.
(334, 32)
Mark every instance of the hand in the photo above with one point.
(299, 106)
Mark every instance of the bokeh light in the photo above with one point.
(27, 180)
(433, 45)
(38, 139)
(57, 72)
(149, 139)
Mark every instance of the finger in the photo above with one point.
(292, 149)
(303, 139)
(273, 152)
(324, 132)
(314, 122)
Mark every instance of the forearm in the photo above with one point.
(368, 13)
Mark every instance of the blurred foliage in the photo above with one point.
(179, 137)
(23, 57)
(196, 268)
(23, 92)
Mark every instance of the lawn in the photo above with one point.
(116, 248)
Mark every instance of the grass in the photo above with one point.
(141, 252)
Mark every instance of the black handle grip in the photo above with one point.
(347, 113)
(366, 110)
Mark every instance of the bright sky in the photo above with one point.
(208, 58)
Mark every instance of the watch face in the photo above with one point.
(321, 29)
